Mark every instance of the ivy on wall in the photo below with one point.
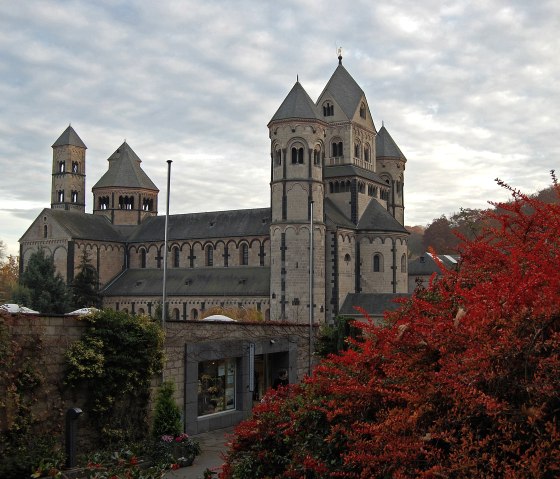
(114, 362)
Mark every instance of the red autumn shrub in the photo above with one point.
(462, 382)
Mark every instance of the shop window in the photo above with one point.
(216, 386)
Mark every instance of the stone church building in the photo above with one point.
(329, 167)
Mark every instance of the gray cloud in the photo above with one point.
(468, 90)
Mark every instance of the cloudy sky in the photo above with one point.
(469, 90)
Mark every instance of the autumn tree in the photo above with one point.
(43, 288)
(462, 381)
(85, 287)
(439, 236)
(9, 273)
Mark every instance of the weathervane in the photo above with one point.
(339, 51)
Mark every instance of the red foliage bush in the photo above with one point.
(463, 382)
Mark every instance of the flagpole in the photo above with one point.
(164, 299)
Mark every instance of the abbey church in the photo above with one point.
(331, 171)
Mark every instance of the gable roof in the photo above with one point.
(385, 146)
(377, 218)
(214, 224)
(79, 225)
(344, 90)
(69, 137)
(232, 281)
(297, 105)
(125, 171)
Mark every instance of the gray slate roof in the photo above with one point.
(385, 146)
(345, 91)
(377, 218)
(335, 217)
(338, 171)
(214, 224)
(69, 137)
(297, 105)
(125, 171)
(84, 225)
(425, 264)
(234, 281)
(376, 304)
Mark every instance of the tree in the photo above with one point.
(45, 289)
(440, 237)
(85, 287)
(462, 381)
(9, 273)
(167, 415)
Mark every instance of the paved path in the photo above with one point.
(213, 445)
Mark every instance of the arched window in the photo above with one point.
(194, 314)
(141, 311)
(45, 231)
(74, 196)
(209, 255)
(328, 109)
(403, 263)
(317, 157)
(366, 153)
(175, 314)
(278, 157)
(363, 110)
(175, 256)
(357, 150)
(377, 263)
(142, 258)
(74, 167)
(147, 204)
(61, 166)
(337, 148)
(244, 255)
(297, 155)
(61, 196)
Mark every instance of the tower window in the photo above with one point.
(337, 148)
(45, 231)
(278, 157)
(366, 153)
(147, 204)
(377, 263)
(126, 202)
(403, 263)
(209, 255)
(74, 196)
(363, 111)
(60, 196)
(297, 156)
(244, 255)
(317, 157)
(103, 202)
(328, 109)
(357, 150)
(61, 166)
(74, 167)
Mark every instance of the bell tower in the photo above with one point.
(297, 189)
(69, 172)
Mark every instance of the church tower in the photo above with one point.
(69, 172)
(297, 156)
(125, 193)
(390, 164)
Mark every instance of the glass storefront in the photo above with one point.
(216, 386)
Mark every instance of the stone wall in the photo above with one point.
(186, 342)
